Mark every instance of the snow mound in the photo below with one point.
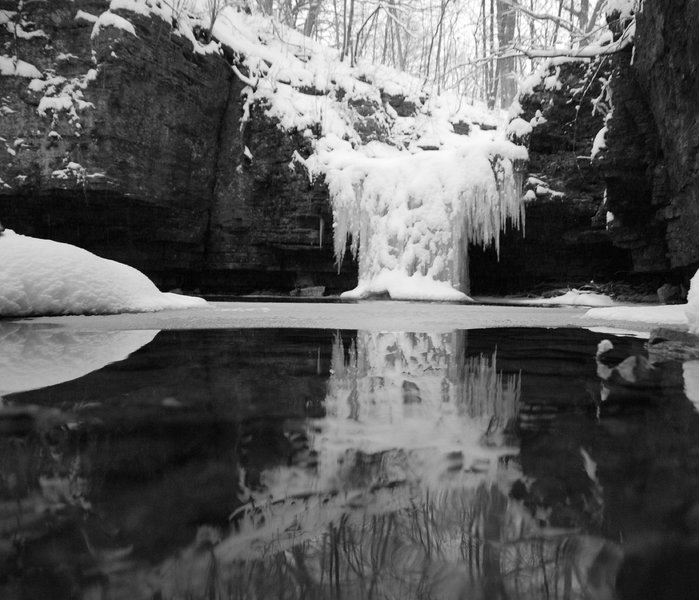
(43, 277)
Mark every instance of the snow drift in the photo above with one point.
(43, 277)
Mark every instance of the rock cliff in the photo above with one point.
(651, 164)
(133, 145)
(565, 242)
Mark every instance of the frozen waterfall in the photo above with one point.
(411, 217)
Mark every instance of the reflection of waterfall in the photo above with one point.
(407, 418)
(413, 399)
(34, 357)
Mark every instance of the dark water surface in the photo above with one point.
(497, 463)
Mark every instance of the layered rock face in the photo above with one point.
(651, 165)
(565, 241)
(133, 149)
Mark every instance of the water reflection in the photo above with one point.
(37, 357)
(315, 464)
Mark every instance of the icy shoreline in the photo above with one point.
(369, 315)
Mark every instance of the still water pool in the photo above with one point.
(303, 464)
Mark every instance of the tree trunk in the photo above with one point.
(506, 67)
(309, 24)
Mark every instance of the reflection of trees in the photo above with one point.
(458, 543)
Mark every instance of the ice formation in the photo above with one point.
(43, 277)
(411, 217)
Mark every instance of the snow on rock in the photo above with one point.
(36, 357)
(518, 129)
(43, 277)
(109, 19)
(182, 15)
(692, 306)
(600, 142)
(13, 66)
(690, 374)
(81, 15)
(573, 298)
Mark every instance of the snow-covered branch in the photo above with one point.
(560, 21)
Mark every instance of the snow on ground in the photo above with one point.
(34, 357)
(678, 315)
(42, 277)
(672, 314)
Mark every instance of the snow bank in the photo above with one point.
(674, 314)
(42, 277)
(35, 357)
